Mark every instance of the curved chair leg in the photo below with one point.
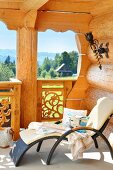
(55, 146)
(52, 151)
(108, 144)
(19, 149)
(71, 131)
(39, 146)
(95, 142)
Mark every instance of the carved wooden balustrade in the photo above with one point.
(10, 105)
(52, 96)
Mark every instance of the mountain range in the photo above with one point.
(12, 53)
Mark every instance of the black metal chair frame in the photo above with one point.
(20, 148)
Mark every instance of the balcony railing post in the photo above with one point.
(15, 116)
(39, 101)
(10, 95)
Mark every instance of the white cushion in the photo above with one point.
(100, 113)
(31, 135)
(37, 130)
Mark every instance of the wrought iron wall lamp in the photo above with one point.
(98, 49)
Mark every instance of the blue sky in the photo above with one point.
(7, 37)
(56, 41)
(48, 41)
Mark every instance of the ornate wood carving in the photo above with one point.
(5, 111)
(52, 104)
(10, 106)
(52, 98)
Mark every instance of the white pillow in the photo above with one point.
(71, 117)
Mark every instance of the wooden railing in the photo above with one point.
(10, 105)
(52, 95)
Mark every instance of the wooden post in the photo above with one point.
(15, 116)
(39, 101)
(27, 73)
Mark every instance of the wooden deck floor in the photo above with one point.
(93, 158)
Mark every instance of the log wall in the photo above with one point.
(100, 81)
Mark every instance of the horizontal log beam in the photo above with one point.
(102, 27)
(101, 78)
(62, 21)
(12, 18)
(102, 7)
(75, 1)
(93, 94)
(30, 5)
(8, 1)
(12, 5)
(69, 6)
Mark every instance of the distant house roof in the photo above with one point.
(59, 68)
(63, 69)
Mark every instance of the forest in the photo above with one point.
(46, 70)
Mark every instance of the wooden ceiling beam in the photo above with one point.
(12, 5)
(12, 1)
(31, 5)
(62, 22)
(102, 7)
(8, 1)
(12, 18)
(74, 1)
(30, 19)
(68, 6)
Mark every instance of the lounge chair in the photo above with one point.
(97, 122)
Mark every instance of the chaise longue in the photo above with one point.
(97, 122)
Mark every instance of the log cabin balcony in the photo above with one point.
(52, 98)
(29, 99)
(80, 17)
